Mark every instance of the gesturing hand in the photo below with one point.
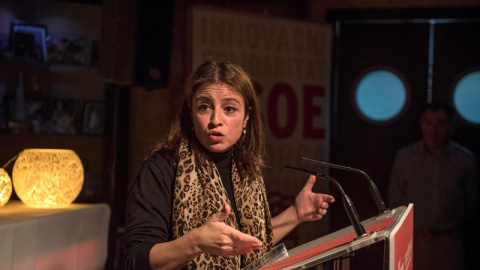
(311, 206)
(217, 238)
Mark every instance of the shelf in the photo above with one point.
(16, 142)
(23, 63)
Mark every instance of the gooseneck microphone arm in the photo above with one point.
(347, 202)
(372, 187)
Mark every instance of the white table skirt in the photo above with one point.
(70, 238)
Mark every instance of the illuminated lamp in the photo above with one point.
(47, 178)
(5, 187)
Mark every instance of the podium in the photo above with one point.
(394, 227)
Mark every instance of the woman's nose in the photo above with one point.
(215, 118)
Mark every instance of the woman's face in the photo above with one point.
(218, 115)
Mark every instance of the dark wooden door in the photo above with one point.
(362, 144)
(403, 46)
(457, 52)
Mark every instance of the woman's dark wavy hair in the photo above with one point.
(249, 151)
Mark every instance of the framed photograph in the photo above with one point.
(63, 115)
(93, 118)
(37, 114)
(77, 51)
(28, 41)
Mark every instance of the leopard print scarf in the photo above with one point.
(199, 193)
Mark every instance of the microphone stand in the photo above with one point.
(347, 202)
(372, 187)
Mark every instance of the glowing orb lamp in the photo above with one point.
(47, 178)
(5, 187)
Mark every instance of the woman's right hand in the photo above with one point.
(217, 238)
(214, 237)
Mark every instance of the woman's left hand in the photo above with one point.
(311, 206)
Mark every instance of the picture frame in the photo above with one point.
(63, 113)
(75, 51)
(37, 114)
(28, 41)
(93, 117)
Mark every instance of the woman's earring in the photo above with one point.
(244, 130)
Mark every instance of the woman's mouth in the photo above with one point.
(215, 136)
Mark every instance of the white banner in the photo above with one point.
(289, 62)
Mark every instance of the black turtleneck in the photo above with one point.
(223, 161)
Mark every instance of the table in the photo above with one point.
(74, 237)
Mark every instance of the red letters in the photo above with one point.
(273, 109)
(310, 110)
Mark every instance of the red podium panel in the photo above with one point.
(395, 227)
(401, 242)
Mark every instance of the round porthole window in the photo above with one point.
(380, 95)
(466, 97)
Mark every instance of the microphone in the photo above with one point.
(373, 188)
(347, 202)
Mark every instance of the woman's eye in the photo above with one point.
(203, 107)
(230, 109)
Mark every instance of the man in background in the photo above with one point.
(440, 178)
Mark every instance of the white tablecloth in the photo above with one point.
(71, 238)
